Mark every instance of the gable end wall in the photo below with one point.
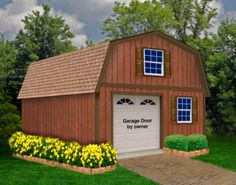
(120, 77)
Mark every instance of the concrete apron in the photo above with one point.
(138, 153)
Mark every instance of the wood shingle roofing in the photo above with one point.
(71, 73)
(79, 72)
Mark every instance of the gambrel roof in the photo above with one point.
(79, 72)
(71, 73)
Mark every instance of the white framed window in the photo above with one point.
(153, 62)
(184, 110)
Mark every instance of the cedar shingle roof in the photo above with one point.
(78, 72)
(71, 73)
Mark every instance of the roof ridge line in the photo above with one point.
(69, 53)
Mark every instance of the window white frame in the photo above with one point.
(162, 63)
(177, 100)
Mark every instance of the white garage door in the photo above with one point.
(136, 123)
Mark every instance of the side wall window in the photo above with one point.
(184, 110)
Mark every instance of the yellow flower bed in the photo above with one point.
(90, 156)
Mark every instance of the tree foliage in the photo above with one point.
(137, 17)
(7, 58)
(10, 120)
(185, 19)
(221, 71)
(193, 18)
(44, 35)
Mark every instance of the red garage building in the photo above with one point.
(133, 92)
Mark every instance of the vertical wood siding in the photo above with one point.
(73, 117)
(167, 127)
(120, 77)
(121, 66)
(67, 117)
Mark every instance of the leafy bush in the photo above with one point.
(73, 153)
(177, 142)
(7, 107)
(9, 123)
(197, 142)
(10, 120)
(186, 143)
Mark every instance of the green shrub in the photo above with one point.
(197, 142)
(186, 143)
(177, 142)
(73, 153)
(10, 120)
(9, 123)
(6, 108)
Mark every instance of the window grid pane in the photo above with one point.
(153, 62)
(184, 110)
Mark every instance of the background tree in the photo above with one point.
(137, 17)
(193, 18)
(185, 19)
(10, 120)
(221, 71)
(89, 43)
(43, 36)
(7, 58)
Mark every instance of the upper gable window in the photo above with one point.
(153, 62)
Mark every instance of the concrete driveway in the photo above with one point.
(172, 170)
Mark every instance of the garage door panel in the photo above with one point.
(124, 131)
(136, 135)
(145, 133)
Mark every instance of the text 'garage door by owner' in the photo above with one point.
(136, 123)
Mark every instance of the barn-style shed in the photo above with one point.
(132, 92)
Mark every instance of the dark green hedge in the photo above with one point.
(186, 143)
(197, 142)
(178, 142)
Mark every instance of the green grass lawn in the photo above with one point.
(222, 152)
(18, 172)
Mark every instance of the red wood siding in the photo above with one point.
(67, 117)
(167, 127)
(121, 65)
(120, 77)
